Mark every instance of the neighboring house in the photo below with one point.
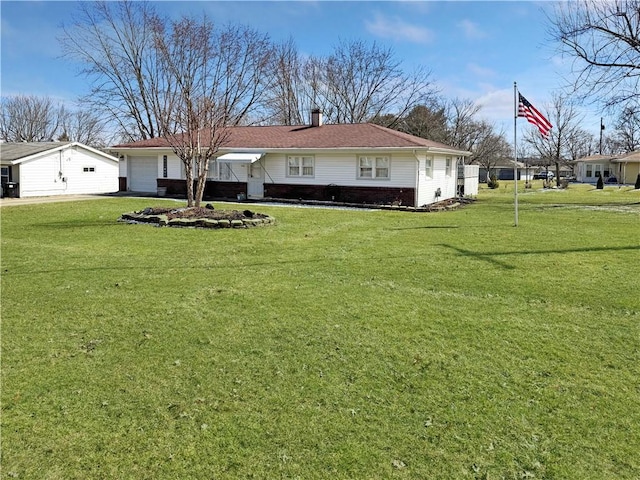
(34, 169)
(588, 169)
(627, 167)
(505, 170)
(353, 163)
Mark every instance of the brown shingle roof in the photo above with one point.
(360, 135)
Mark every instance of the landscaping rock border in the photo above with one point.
(174, 218)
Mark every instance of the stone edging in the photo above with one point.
(163, 221)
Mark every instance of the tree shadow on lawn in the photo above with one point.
(484, 256)
(490, 256)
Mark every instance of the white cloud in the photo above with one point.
(397, 29)
(497, 106)
(480, 71)
(471, 30)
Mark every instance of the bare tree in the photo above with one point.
(186, 52)
(83, 126)
(489, 148)
(364, 81)
(241, 71)
(285, 94)
(604, 39)
(580, 143)
(217, 77)
(29, 118)
(628, 128)
(114, 43)
(183, 80)
(463, 131)
(357, 82)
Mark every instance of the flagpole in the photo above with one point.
(515, 149)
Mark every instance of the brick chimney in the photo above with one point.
(316, 117)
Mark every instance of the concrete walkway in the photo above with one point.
(8, 202)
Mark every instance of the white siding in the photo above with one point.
(122, 166)
(342, 169)
(63, 172)
(427, 186)
(239, 172)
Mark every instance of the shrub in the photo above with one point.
(600, 184)
(493, 182)
(637, 186)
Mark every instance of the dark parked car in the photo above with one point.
(544, 175)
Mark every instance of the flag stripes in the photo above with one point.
(525, 109)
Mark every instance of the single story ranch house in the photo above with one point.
(351, 163)
(37, 169)
(622, 168)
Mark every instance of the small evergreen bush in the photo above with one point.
(637, 186)
(600, 184)
(493, 182)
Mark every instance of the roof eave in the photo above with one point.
(63, 146)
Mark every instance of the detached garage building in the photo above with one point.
(37, 169)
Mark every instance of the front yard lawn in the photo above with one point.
(335, 344)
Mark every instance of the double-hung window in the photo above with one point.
(428, 167)
(219, 170)
(373, 167)
(224, 171)
(589, 170)
(447, 167)
(212, 173)
(598, 170)
(300, 166)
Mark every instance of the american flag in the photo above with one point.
(525, 109)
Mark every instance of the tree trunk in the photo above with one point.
(202, 181)
(202, 167)
(188, 166)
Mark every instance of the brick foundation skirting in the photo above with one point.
(343, 194)
(329, 193)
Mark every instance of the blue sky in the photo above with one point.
(474, 49)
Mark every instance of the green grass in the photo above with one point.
(335, 344)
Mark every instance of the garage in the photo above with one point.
(42, 169)
(143, 174)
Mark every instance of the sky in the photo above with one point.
(474, 50)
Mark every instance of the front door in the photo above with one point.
(255, 183)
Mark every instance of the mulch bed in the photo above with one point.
(197, 217)
(202, 212)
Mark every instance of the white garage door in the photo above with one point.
(143, 173)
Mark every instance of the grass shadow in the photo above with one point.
(490, 256)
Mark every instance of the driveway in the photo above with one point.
(8, 202)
